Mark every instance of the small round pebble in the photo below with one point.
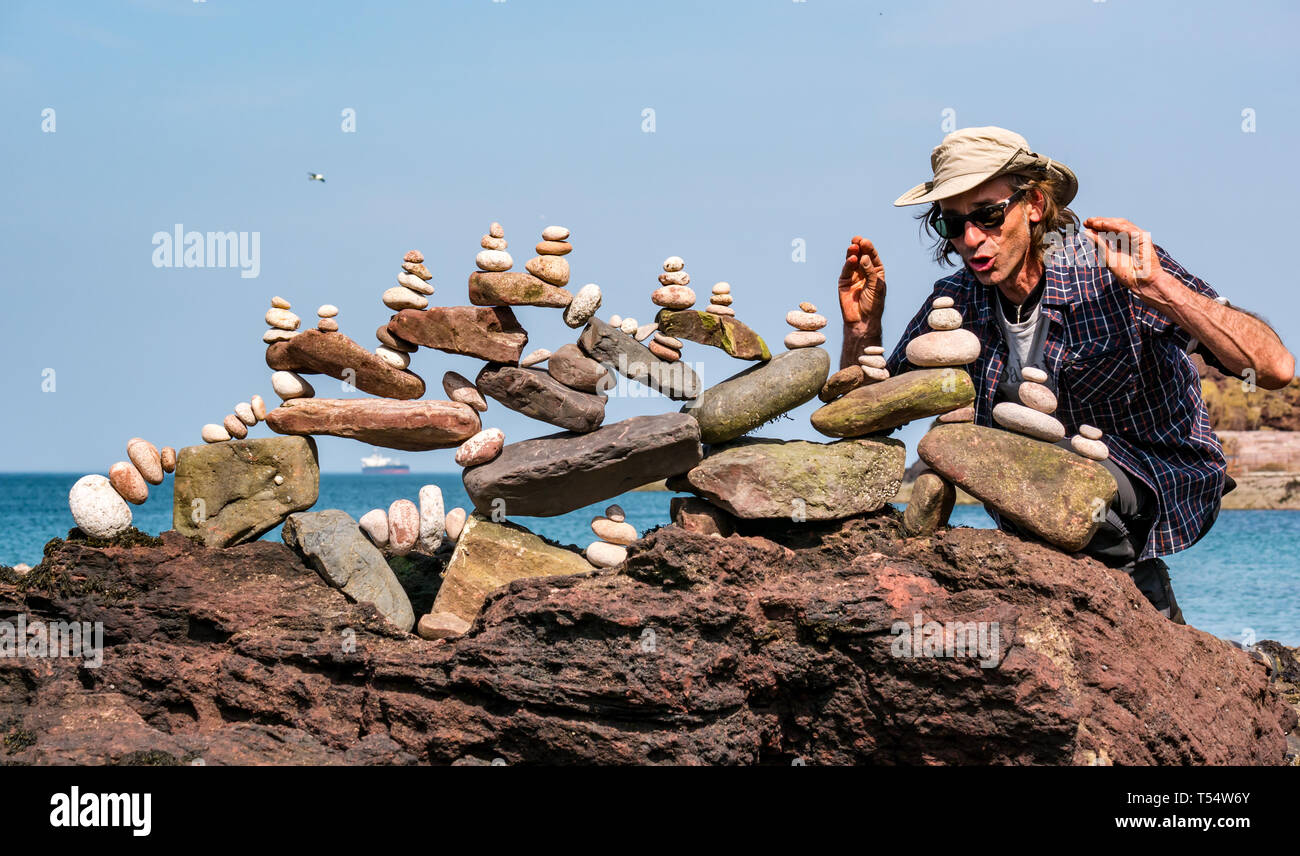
(673, 297)
(1093, 449)
(615, 532)
(259, 408)
(419, 270)
(944, 319)
(583, 306)
(805, 320)
(441, 625)
(616, 513)
(395, 358)
(168, 458)
(603, 554)
(720, 310)
(214, 433)
(676, 278)
(329, 310)
(616, 320)
(552, 269)
(668, 341)
(244, 411)
(540, 355)
(235, 427)
(145, 456)
(941, 303)
(415, 283)
(720, 299)
(374, 523)
(272, 336)
(629, 326)
(672, 264)
(280, 303)
(804, 339)
(459, 388)
(496, 230)
(279, 479)
(490, 243)
(1033, 374)
(400, 297)
(455, 523)
(481, 448)
(413, 256)
(874, 373)
(875, 361)
(494, 260)
(1037, 396)
(327, 325)
(555, 233)
(128, 482)
(663, 352)
(554, 248)
(722, 288)
(403, 526)
(807, 307)
(873, 349)
(289, 385)
(1090, 432)
(282, 319)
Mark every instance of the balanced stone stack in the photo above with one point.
(720, 300)
(807, 326)
(947, 344)
(246, 415)
(1033, 417)
(328, 315)
(405, 527)
(99, 505)
(283, 323)
(675, 293)
(870, 368)
(615, 534)
(550, 264)
(1088, 443)
(412, 285)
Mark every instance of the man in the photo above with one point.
(1108, 315)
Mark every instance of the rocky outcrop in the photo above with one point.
(781, 643)
(1234, 405)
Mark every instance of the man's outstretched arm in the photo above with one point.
(1240, 341)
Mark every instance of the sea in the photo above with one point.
(1241, 582)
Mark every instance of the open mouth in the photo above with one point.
(981, 263)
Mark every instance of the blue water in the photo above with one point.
(1242, 581)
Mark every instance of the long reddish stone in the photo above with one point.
(412, 426)
(488, 332)
(334, 354)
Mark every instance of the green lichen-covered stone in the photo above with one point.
(1043, 488)
(746, 400)
(720, 331)
(511, 288)
(798, 479)
(894, 402)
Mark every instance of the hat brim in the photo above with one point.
(931, 192)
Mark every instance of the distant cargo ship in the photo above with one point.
(378, 465)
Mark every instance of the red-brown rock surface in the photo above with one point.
(699, 650)
(334, 354)
(412, 426)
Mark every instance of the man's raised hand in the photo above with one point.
(1127, 250)
(862, 283)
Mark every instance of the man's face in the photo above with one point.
(994, 255)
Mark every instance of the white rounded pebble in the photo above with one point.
(616, 321)
(282, 319)
(329, 310)
(374, 524)
(720, 299)
(677, 278)
(875, 361)
(493, 260)
(555, 233)
(432, 519)
(395, 358)
(97, 508)
(603, 554)
(583, 306)
(615, 532)
(455, 523)
(491, 243)
(279, 479)
(214, 433)
(1037, 396)
(943, 348)
(259, 408)
(280, 303)
(615, 513)
(941, 303)
(1027, 421)
(804, 320)
(804, 339)
(874, 373)
(1033, 375)
(400, 297)
(146, 458)
(1090, 432)
(496, 230)
(629, 326)
(540, 355)
(415, 283)
(244, 411)
(672, 264)
(673, 297)
(481, 448)
(722, 288)
(720, 310)
(944, 319)
(272, 336)
(1092, 449)
(289, 385)
(872, 349)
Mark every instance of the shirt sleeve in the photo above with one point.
(1151, 322)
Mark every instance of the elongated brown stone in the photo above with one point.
(1043, 488)
(894, 402)
(843, 381)
(490, 333)
(617, 350)
(535, 393)
(720, 331)
(512, 288)
(334, 354)
(412, 426)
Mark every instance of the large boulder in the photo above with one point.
(491, 333)
(1050, 491)
(489, 555)
(612, 347)
(226, 493)
(512, 288)
(334, 354)
(331, 542)
(535, 393)
(558, 473)
(796, 479)
(895, 401)
(746, 400)
(718, 331)
(412, 426)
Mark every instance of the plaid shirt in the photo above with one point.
(1115, 364)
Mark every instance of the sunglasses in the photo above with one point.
(987, 217)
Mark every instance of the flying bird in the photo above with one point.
(315, 176)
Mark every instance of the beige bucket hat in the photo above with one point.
(971, 156)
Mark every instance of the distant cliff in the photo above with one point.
(1233, 408)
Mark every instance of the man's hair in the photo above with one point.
(1056, 217)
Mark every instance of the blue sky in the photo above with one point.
(774, 121)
